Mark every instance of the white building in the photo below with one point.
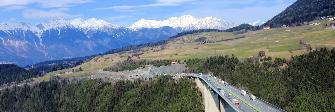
(314, 24)
(266, 28)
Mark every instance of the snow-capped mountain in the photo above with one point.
(89, 24)
(186, 22)
(24, 44)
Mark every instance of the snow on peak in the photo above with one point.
(89, 24)
(15, 26)
(257, 23)
(186, 22)
(54, 24)
(19, 26)
(84, 25)
(92, 23)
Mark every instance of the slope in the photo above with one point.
(11, 73)
(303, 11)
(279, 42)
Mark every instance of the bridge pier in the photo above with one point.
(211, 100)
(221, 102)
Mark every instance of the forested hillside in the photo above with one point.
(162, 94)
(303, 11)
(305, 83)
(243, 28)
(11, 73)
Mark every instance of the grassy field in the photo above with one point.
(276, 42)
(97, 63)
(279, 42)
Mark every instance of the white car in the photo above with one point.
(243, 92)
(253, 97)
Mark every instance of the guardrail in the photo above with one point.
(273, 106)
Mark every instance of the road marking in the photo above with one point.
(242, 99)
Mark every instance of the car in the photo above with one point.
(243, 92)
(236, 102)
(253, 97)
(229, 95)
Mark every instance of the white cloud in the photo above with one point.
(15, 7)
(173, 1)
(4, 3)
(130, 8)
(42, 3)
(158, 3)
(60, 3)
(42, 14)
(45, 8)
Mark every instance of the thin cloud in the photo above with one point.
(173, 1)
(42, 14)
(60, 3)
(45, 9)
(130, 8)
(42, 3)
(6, 3)
(16, 7)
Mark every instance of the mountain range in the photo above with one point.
(24, 44)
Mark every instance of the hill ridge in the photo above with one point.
(303, 11)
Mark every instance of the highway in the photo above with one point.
(229, 92)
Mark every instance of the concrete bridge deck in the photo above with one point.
(222, 95)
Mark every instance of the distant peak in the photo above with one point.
(13, 26)
(81, 24)
(187, 22)
(91, 23)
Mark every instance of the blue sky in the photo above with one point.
(125, 12)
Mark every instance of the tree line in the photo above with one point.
(240, 29)
(161, 94)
